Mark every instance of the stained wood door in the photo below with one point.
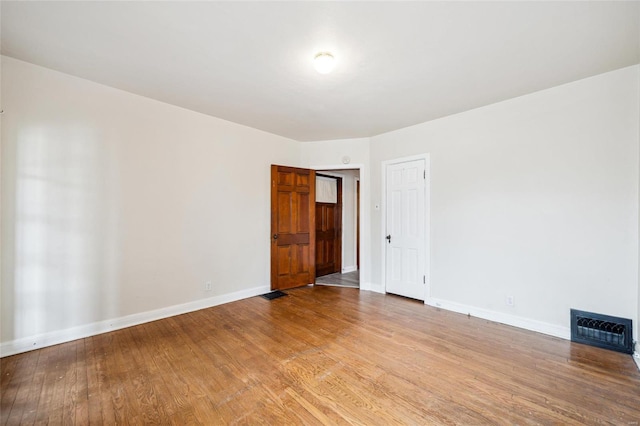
(292, 227)
(329, 233)
(406, 240)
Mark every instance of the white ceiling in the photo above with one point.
(398, 63)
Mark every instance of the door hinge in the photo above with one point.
(424, 279)
(424, 174)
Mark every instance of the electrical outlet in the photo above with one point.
(509, 301)
(208, 286)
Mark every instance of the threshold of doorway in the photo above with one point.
(349, 279)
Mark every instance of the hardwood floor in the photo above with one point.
(322, 355)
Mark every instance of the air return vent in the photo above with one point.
(603, 331)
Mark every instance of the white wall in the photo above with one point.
(637, 323)
(328, 155)
(349, 259)
(536, 198)
(114, 204)
(332, 153)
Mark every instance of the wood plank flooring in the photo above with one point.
(322, 355)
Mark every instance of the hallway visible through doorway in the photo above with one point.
(350, 279)
(339, 188)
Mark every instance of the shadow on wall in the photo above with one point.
(59, 237)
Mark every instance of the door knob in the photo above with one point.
(275, 236)
(388, 237)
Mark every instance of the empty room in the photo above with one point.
(236, 212)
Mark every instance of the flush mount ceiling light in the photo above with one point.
(324, 62)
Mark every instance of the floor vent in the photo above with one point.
(603, 331)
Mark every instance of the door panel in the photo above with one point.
(406, 240)
(328, 255)
(304, 201)
(292, 227)
(285, 215)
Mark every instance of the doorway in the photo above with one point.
(328, 224)
(347, 235)
(293, 261)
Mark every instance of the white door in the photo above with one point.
(405, 237)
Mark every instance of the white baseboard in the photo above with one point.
(636, 358)
(26, 344)
(513, 320)
(378, 288)
(348, 269)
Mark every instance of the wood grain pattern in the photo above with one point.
(292, 227)
(322, 355)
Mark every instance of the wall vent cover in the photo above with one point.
(603, 331)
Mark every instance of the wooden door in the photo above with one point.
(292, 227)
(329, 234)
(405, 240)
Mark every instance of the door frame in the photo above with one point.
(342, 209)
(365, 281)
(339, 177)
(357, 214)
(427, 224)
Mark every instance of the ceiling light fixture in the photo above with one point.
(324, 62)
